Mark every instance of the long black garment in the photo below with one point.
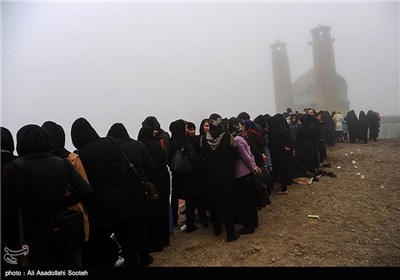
(140, 157)
(219, 182)
(186, 186)
(41, 179)
(159, 219)
(363, 127)
(109, 209)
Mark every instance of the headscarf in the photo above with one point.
(57, 138)
(32, 139)
(152, 122)
(244, 116)
(7, 141)
(82, 133)
(235, 126)
(117, 131)
(191, 125)
(178, 128)
(216, 132)
(260, 120)
(146, 134)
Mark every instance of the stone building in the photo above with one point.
(320, 88)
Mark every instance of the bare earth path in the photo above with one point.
(359, 222)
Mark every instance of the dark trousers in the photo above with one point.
(228, 213)
(246, 208)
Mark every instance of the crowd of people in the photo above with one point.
(96, 180)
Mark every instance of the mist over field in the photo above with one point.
(122, 61)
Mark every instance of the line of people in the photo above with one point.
(225, 156)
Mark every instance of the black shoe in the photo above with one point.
(331, 174)
(148, 261)
(205, 225)
(190, 229)
(233, 238)
(245, 231)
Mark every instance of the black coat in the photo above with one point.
(153, 145)
(38, 185)
(139, 156)
(219, 173)
(185, 184)
(106, 171)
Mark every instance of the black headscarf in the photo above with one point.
(191, 125)
(32, 139)
(152, 122)
(57, 138)
(117, 131)
(178, 128)
(244, 116)
(146, 134)
(261, 121)
(82, 133)
(7, 141)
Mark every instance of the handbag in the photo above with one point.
(262, 196)
(180, 163)
(150, 190)
(151, 193)
(268, 179)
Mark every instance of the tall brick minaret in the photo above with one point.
(282, 79)
(327, 95)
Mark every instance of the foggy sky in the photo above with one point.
(120, 62)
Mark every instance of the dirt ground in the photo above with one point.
(358, 225)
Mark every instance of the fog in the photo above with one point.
(120, 62)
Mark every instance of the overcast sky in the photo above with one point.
(120, 62)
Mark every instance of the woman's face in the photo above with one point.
(191, 131)
(206, 127)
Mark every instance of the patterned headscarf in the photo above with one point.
(216, 132)
(235, 126)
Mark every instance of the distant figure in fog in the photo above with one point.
(362, 127)
(373, 124)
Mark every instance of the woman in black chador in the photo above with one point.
(281, 147)
(109, 209)
(35, 184)
(373, 124)
(184, 186)
(307, 144)
(159, 219)
(7, 148)
(363, 127)
(219, 153)
(139, 156)
(352, 123)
